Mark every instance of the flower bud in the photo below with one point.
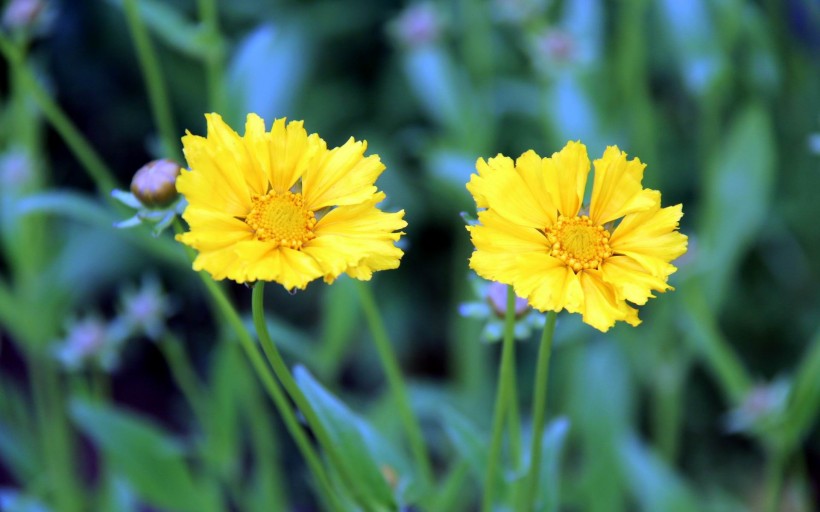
(155, 183)
(497, 297)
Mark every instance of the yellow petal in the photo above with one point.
(566, 177)
(228, 150)
(631, 280)
(547, 283)
(290, 151)
(357, 240)
(341, 176)
(617, 189)
(207, 185)
(496, 233)
(499, 186)
(211, 229)
(218, 263)
(602, 308)
(651, 238)
(531, 167)
(264, 261)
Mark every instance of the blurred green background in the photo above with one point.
(709, 405)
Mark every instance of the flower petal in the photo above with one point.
(602, 308)
(631, 280)
(212, 230)
(499, 186)
(617, 189)
(207, 184)
(547, 283)
(341, 176)
(566, 177)
(265, 261)
(290, 152)
(651, 238)
(357, 240)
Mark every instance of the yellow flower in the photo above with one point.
(280, 206)
(535, 234)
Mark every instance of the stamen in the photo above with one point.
(578, 242)
(281, 218)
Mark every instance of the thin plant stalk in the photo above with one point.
(290, 385)
(774, 480)
(394, 378)
(539, 409)
(503, 397)
(100, 173)
(229, 313)
(154, 82)
(209, 16)
(184, 375)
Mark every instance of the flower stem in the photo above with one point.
(184, 375)
(157, 92)
(91, 161)
(394, 378)
(209, 16)
(774, 480)
(504, 396)
(539, 409)
(229, 313)
(290, 385)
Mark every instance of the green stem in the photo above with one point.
(91, 161)
(157, 92)
(539, 409)
(270, 384)
(503, 397)
(394, 378)
(209, 16)
(774, 480)
(290, 385)
(184, 375)
(724, 362)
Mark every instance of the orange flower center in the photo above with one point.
(578, 242)
(281, 218)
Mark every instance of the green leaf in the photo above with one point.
(654, 484)
(355, 441)
(555, 436)
(267, 71)
(144, 454)
(340, 319)
(738, 189)
(470, 444)
(173, 29)
(804, 400)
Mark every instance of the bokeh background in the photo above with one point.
(717, 391)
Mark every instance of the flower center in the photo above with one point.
(281, 218)
(578, 242)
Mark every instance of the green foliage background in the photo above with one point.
(720, 100)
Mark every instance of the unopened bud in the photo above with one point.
(497, 297)
(155, 183)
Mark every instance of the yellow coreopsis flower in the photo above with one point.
(536, 235)
(280, 206)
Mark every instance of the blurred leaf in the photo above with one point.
(601, 409)
(66, 204)
(173, 29)
(738, 186)
(570, 111)
(267, 71)
(804, 400)
(228, 373)
(555, 437)
(13, 501)
(470, 444)
(654, 484)
(340, 319)
(354, 439)
(147, 456)
(691, 30)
